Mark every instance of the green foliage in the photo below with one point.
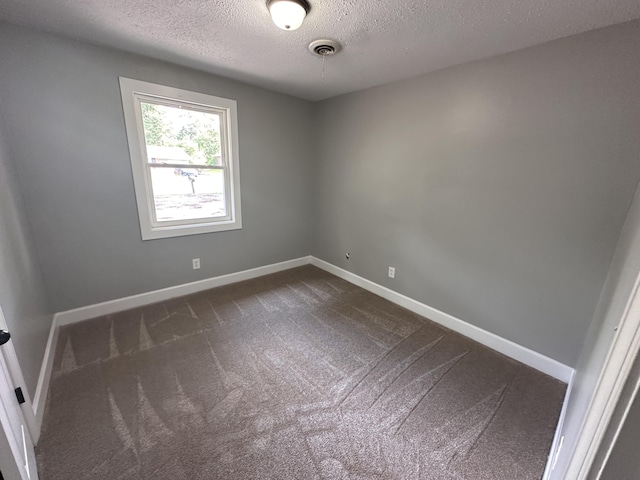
(194, 132)
(209, 143)
(155, 128)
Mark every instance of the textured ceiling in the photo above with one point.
(383, 40)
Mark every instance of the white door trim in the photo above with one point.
(614, 374)
(11, 359)
(19, 457)
(10, 469)
(618, 427)
(9, 449)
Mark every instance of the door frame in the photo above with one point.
(10, 468)
(13, 365)
(613, 377)
(14, 450)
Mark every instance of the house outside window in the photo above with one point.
(184, 158)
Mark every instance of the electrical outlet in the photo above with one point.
(392, 272)
(196, 263)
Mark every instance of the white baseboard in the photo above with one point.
(558, 439)
(529, 357)
(507, 347)
(42, 388)
(134, 301)
(147, 298)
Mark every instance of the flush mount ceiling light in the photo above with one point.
(288, 14)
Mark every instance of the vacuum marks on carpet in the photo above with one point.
(296, 375)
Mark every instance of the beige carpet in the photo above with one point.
(297, 375)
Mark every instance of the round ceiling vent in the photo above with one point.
(324, 47)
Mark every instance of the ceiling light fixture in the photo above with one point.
(288, 14)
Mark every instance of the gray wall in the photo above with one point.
(497, 189)
(22, 294)
(65, 122)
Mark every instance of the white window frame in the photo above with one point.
(136, 91)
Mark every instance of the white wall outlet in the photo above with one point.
(196, 263)
(392, 272)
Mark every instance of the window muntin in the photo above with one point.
(183, 148)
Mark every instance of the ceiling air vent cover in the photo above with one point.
(324, 47)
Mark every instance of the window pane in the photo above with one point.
(180, 135)
(188, 193)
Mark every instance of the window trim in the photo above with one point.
(135, 91)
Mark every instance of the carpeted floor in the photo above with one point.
(296, 375)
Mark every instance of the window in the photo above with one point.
(184, 158)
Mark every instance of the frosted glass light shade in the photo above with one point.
(287, 14)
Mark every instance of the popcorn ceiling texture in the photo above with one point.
(384, 40)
